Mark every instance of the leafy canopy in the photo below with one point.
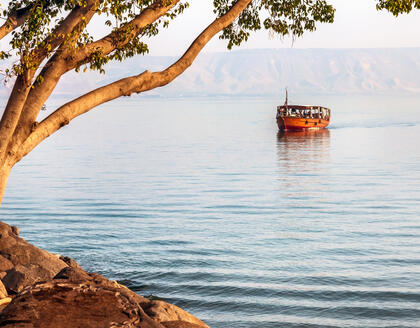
(397, 7)
(44, 16)
(283, 17)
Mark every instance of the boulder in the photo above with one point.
(75, 298)
(15, 230)
(165, 312)
(58, 305)
(70, 262)
(49, 291)
(22, 264)
(4, 302)
(5, 264)
(180, 324)
(21, 276)
(3, 291)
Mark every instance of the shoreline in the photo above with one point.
(40, 289)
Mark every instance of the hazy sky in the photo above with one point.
(357, 25)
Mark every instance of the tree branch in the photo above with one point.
(40, 92)
(13, 109)
(113, 40)
(124, 87)
(37, 95)
(60, 64)
(14, 21)
(80, 15)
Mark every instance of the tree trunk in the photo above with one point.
(4, 175)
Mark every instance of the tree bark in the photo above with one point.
(4, 175)
(113, 40)
(39, 93)
(13, 110)
(14, 21)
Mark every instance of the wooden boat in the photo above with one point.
(297, 117)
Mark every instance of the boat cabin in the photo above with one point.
(304, 112)
(296, 117)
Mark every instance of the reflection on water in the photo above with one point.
(303, 156)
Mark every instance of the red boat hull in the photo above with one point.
(299, 124)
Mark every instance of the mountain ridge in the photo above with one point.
(266, 72)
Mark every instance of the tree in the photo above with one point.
(52, 37)
(397, 7)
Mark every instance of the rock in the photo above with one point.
(83, 299)
(73, 274)
(4, 302)
(3, 291)
(21, 276)
(164, 312)
(5, 264)
(29, 263)
(179, 324)
(52, 291)
(70, 262)
(13, 279)
(80, 276)
(15, 230)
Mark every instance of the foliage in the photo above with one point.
(397, 7)
(39, 29)
(283, 17)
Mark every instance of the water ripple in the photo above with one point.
(210, 208)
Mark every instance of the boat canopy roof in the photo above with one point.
(300, 107)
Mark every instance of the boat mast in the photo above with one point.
(287, 99)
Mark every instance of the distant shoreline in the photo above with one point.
(266, 72)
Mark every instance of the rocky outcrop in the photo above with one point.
(165, 312)
(180, 324)
(22, 264)
(72, 297)
(76, 297)
(3, 291)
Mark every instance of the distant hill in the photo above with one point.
(266, 72)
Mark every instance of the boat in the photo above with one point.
(298, 117)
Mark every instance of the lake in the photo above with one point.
(204, 204)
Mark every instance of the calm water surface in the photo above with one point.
(202, 203)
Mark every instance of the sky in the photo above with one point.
(357, 25)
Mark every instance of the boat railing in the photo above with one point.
(304, 112)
